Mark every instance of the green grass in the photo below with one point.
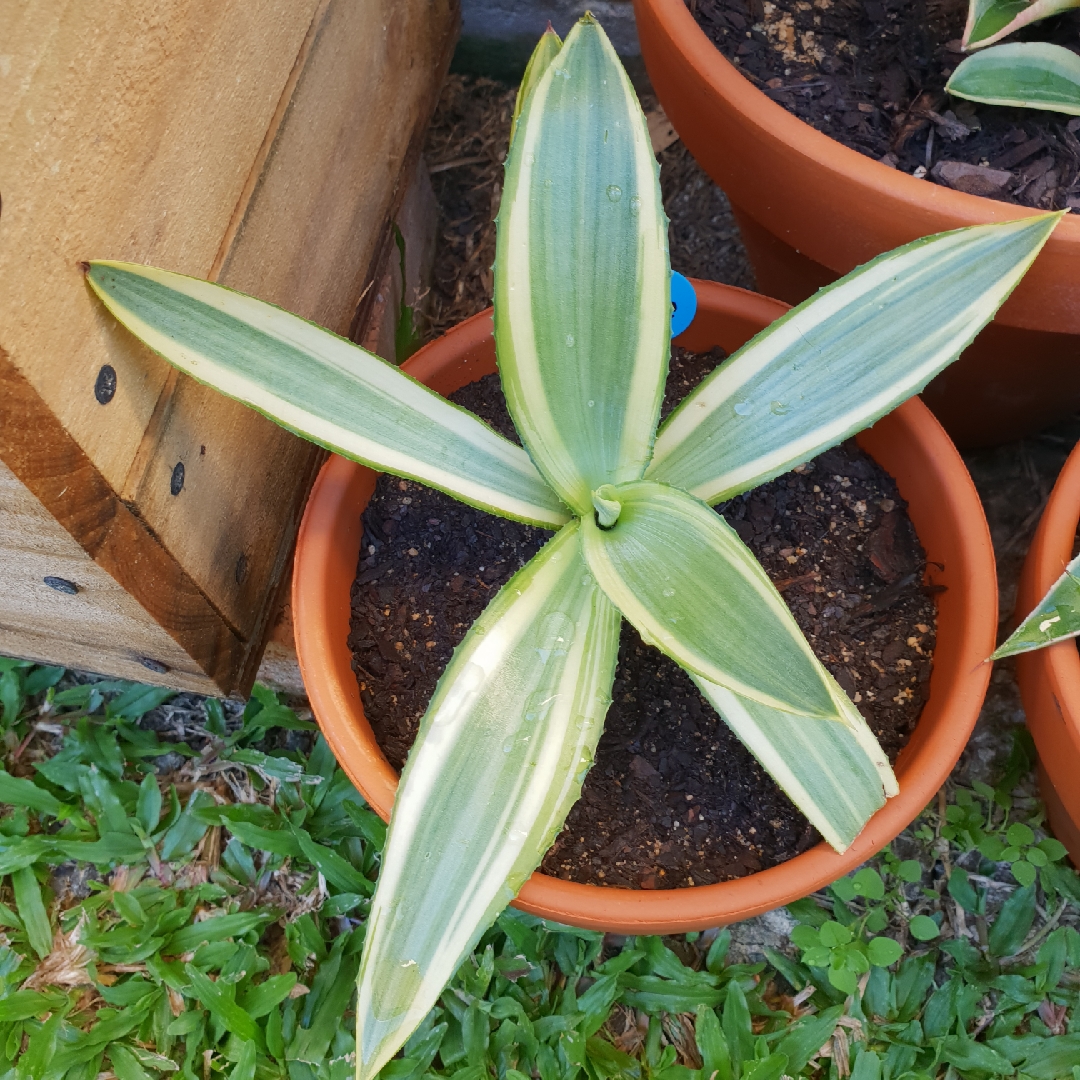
(183, 888)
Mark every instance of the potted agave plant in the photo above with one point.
(582, 325)
(810, 208)
(1047, 659)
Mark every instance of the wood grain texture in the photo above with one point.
(262, 143)
(126, 581)
(335, 172)
(129, 130)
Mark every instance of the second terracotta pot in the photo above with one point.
(948, 518)
(811, 209)
(1050, 678)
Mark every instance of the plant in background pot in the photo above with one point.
(1047, 660)
(582, 324)
(988, 21)
(1028, 74)
(811, 208)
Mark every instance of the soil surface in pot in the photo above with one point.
(673, 798)
(871, 74)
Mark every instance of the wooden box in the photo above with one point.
(146, 523)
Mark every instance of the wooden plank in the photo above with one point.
(87, 630)
(282, 185)
(308, 239)
(417, 218)
(113, 541)
(129, 130)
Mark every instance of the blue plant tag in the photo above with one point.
(684, 301)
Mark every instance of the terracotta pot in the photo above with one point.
(810, 210)
(1050, 678)
(946, 513)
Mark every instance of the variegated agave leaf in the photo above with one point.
(1056, 618)
(842, 359)
(325, 388)
(501, 755)
(683, 577)
(693, 589)
(831, 767)
(1030, 75)
(991, 20)
(582, 306)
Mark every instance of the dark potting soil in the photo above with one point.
(872, 73)
(673, 798)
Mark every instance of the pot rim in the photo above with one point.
(325, 566)
(725, 78)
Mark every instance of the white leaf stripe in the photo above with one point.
(583, 316)
(499, 761)
(682, 576)
(325, 389)
(1034, 75)
(804, 383)
(547, 48)
(832, 768)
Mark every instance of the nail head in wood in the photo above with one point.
(153, 665)
(176, 481)
(105, 384)
(61, 585)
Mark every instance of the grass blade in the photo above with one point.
(31, 909)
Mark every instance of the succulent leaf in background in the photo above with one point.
(582, 322)
(989, 21)
(1031, 75)
(1056, 618)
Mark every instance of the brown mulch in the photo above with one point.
(871, 74)
(465, 148)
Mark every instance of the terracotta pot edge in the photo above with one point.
(1056, 668)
